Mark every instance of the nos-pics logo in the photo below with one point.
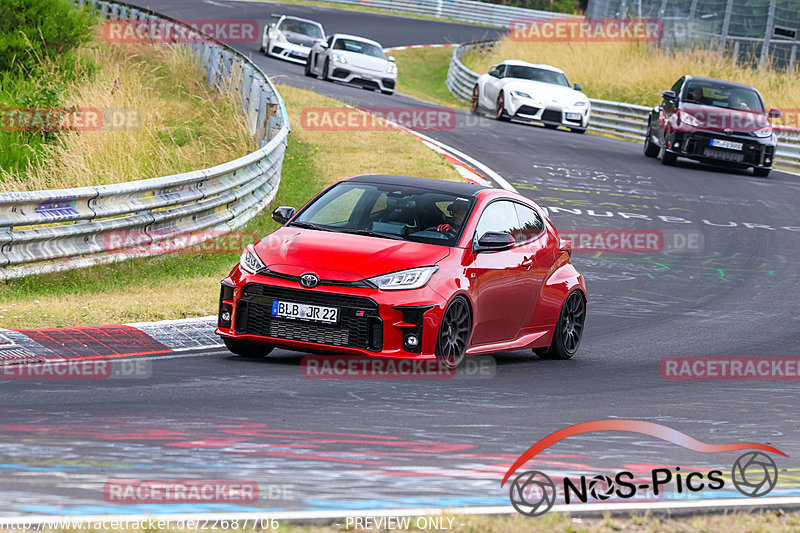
(533, 493)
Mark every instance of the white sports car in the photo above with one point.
(291, 38)
(352, 59)
(535, 93)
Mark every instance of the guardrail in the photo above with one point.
(612, 118)
(461, 10)
(45, 231)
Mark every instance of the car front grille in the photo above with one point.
(359, 324)
(551, 115)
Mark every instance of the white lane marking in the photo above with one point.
(471, 160)
(722, 503)
(218, 4)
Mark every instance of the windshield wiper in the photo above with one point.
(369, 233)
(309, 225)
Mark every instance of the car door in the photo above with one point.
(538, 257)
(501, 292)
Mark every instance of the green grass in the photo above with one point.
(422, 73)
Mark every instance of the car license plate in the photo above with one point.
(573, 116)
(719, 143)
(317, 313)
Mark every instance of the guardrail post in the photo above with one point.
(762, 64)
(793, 57)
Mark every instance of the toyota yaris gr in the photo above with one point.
(406, 267)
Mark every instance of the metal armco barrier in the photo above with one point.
(613, 118)
(45, 231)
(461, 10)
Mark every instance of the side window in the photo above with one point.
(330, 41)
(677, 87)
(502, 70)
(500, 217)
(530, 225)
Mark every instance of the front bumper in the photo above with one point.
(756, 152)
(296, 53)
(370, 79)
(371, 322)
(553, 114)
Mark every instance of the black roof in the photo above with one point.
(451, 187)
(726, 82)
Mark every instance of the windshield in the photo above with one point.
(359, 47)
(536, 74)
(723, 95)
(388, 211)
(305, 28)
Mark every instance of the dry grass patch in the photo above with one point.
(173, 123)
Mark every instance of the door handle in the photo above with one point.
(527, 262)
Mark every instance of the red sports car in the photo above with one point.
(405, 267)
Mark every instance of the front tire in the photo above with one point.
(473, 101)
(761, 172)
(667, 158)
(308, 67)
(569, 329)
(500, 110)
(326, 70)
(454, 333)
(390, 93)
(650, 149)
(247, 348)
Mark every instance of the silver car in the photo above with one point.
(291, 38)
(352, 59)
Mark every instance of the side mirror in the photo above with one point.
(775, 113)
(578, 87)
(494, 73)
(391, 58)
(669, 95)
(494, 241)
(324, 44)
(282, 214)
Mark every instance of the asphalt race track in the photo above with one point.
(378, 444)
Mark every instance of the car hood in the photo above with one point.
(546, 92)
(726, 120)
(299, 38)
(341, 256)
(364, 61)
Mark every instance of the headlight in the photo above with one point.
(249, 261)
(391, 68)
(580, 104)
(339, 58)
(521, 94)
(763, 132)
(405, 279)
(688, 119)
